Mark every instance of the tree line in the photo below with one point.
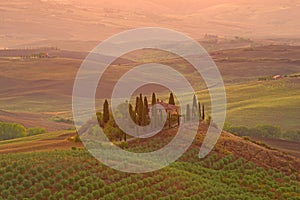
(267, 131)
(14, 130)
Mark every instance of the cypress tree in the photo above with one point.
(188, 112)
(105, 111)
(136, 105)
(154, 111)
(153, 99)
(140, 109)
(146, 105)
(194, 108)
(199, 110)
(194, 101)
(203, 114)
(131, 113)
(144, 116)
(171, 99)
(125, 137)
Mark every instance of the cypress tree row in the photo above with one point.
(171, 99)
(105, 111)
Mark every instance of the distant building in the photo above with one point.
(167, 107)
(276, 77)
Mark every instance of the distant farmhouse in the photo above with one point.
(276, 77)
(169, 108)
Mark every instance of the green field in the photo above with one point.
(270, 102)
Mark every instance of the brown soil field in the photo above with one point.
(33, 120)
(39, 143)
(54, 77)
(291, 147)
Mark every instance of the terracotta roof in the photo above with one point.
(166, 106)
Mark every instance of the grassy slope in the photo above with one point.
(271, 102)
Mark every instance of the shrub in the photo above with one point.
(20, 178)
(77, 194)
(19, 187)
(8, 175)
(39, 186)
(11, 130)
(51, 197)
(3, 163)
(81, 182)
(27, 184)
(89, 196)
(45, 183)
(124, 145)
(83, 190)
(75, 186)
(46, 173)
(73, 148)
(32, 189)
(59, 195)
(46, 192)
(292, 135)
(107, 189)
(12, 190)
(33, 171)
(64, 182)
(39, 169)
(96, 194)
(35, 131)
(58, 186)
(71, 197)
(89, 186)
(38, 196)
(120, 192)
(148, 197)
(246, 138)
(5, 193)
(40, 177)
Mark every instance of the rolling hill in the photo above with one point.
(236, 169)
(44, 85)
(23, 22)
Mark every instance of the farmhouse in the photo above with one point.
(276, 77)
(169, 108)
